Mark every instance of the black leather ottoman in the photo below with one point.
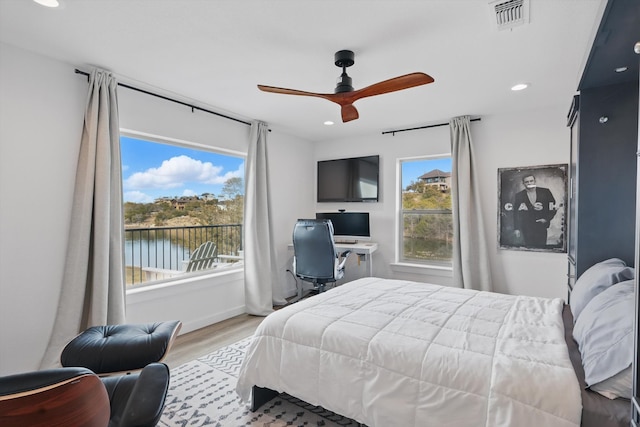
(120, 348)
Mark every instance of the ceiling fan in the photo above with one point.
(345, 95)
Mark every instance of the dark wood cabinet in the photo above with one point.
(603, 219)
(602, 176)
(573, 121)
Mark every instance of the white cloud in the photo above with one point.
(177, 171)
(137, 197)
(188, 193)
(234, 174)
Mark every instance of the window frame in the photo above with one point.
(400, 260)
(158, 139)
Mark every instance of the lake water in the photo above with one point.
(154, 253)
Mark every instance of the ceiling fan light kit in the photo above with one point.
(344, 93)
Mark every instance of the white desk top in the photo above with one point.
(359, 248)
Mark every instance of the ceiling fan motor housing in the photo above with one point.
(344, 59)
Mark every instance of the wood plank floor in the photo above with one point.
(194, 344)
(203, 341)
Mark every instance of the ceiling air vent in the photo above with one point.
(509, 13)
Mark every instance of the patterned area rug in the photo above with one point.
(202, 393)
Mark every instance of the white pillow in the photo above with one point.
(596, 279)
(604, 332)
(619, 385)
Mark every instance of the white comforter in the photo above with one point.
(396, 353)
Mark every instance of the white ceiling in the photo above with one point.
(214, 53)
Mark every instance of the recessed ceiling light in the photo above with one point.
(621, 69)
(48, 3)
(328, 123)
(520, 86)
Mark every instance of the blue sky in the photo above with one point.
(411, 170)
(151, 170)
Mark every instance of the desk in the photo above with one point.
(360, 248)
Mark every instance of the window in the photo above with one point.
(178, 199)
(426, 228)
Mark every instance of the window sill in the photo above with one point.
(431, 270)
(188, 281)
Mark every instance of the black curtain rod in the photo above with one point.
(393, 132)
(193, 107)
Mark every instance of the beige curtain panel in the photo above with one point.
(93, 288)
(471, 268)
(261, 285)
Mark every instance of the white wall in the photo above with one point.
(383, 214)
(292, 184)
(41, 111)
(525, 139)
(520, 139)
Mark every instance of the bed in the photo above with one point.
(398, 353)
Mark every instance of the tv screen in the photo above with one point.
(348, 226)
(348, 180)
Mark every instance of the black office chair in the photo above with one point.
(315, 258)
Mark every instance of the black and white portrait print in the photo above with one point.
(531, 211)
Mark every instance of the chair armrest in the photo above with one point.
(138, 399)
(343, 259)
(28, 381)
(62, 396)
(345, 254)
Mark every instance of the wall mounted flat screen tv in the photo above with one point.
(349, 180)
(348, 226)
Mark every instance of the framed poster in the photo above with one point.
(531, 211)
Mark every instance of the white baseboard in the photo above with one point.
(202, 322)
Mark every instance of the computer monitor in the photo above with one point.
(348, 226)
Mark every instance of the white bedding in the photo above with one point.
(397, 353)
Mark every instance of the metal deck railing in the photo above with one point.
(170, 247)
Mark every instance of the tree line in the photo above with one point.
(227, 209)
(427, 235)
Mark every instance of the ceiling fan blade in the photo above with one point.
(284, 91)
(392, 85)
(346, 99)
(349, 113)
